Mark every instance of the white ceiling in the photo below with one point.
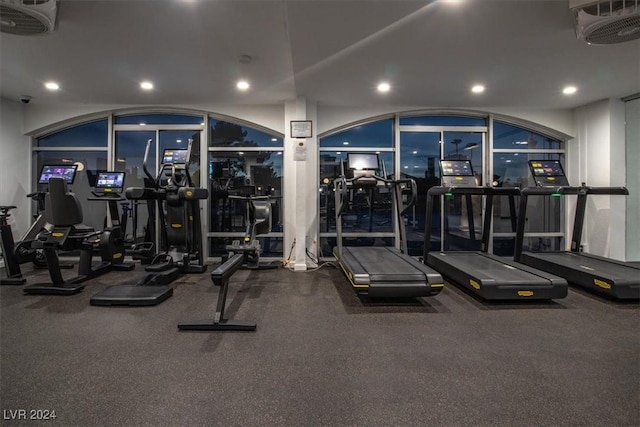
(333, 52)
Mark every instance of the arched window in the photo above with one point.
(413, 149)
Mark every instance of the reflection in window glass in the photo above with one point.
(129, 154)
(158, 119)
(92, 134)
(179, 139)
(545, 213)
(465, 146)
(443, 121)
(94, 212)
(376, 134)
(226, 134)
(513, 137)
(512, 169)
(419, 156)
(240, 174)
(372, 211)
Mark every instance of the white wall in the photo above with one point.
(632, 138)
(596, 157)
(15, 165)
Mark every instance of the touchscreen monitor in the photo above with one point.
(174, 156)
(68, 172)
(110, 181)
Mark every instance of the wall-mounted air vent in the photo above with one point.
(28, 17)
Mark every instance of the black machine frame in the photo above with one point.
(604, 276)
(377, 271)
(178, 212)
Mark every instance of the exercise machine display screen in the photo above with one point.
(362, 161)
(548, 172)
(174, 156)
(456, 168)
(546, 168)
(111, 182)
(457, 173)
(68, 172)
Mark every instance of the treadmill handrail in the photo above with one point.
(542, 191)
(612, 191)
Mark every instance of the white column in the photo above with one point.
(300, 186)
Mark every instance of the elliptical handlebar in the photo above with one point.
(144, 164)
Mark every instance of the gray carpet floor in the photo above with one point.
(321, 356)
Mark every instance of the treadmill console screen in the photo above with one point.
(110, 182)
(456, 168)
(174, 157)
(68, 172)
(362, 161)
(548, 172)
(457, 173)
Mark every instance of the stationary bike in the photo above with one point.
(68, 233)
(24, 251)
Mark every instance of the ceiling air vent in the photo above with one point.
(606, 21)
(28, 17)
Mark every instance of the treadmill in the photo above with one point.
(374, 271)
(488, 276)
(604, 276)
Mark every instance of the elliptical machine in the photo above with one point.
(180, 249)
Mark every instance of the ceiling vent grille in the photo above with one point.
(28, 17)
(606, 21)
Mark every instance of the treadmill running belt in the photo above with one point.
(386, 272)
(495, 278)
(608, 278)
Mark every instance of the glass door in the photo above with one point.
(129, 151)
(419, 156)
(463, 227)
(129, 154)
(420, 152)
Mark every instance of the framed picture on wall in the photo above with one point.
(301, 129)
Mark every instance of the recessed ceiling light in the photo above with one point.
(146, 85)
(414, 152)
(52, 85)
(345, 143)
(477, 89)
(243, 85)
(384, 87)
(569, 90)
(274, 139)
